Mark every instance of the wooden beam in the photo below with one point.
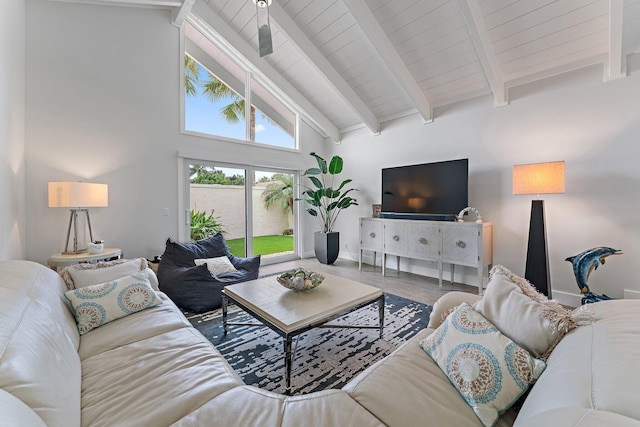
(390, 56)
(615, 67)
(205, 19)
(482, 44)
(312, 54)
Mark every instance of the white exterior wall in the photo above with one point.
(12, 129)
(227, 201)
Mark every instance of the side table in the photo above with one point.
(64, 260)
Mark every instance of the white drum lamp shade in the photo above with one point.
(538, 178)
(78, 197)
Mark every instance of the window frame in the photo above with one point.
(185, 159)
(250, 73)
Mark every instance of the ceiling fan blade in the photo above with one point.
(264, 29)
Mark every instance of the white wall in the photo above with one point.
(12, 129)
(593, 126)
(103, 105)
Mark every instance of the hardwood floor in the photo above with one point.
(412, 286)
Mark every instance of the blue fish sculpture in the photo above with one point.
(584, 263)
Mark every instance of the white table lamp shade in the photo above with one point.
(78, 195)
(539, 178)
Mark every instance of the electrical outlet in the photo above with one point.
(165, 211)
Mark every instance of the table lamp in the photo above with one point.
(538, 178)
(78, 196)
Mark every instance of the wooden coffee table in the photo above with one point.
(291, 313)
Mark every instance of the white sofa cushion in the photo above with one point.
(576, 416)
(489, 370)
(523, 314)
(154, 381)
(80, 275)
(594, 366)
(39, 363)
(96, 305)
(327, 408)
(407, 388)
(135, 327)
(16, 413)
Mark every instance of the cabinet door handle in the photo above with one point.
(423, 241)
(372, 235)
(461, 244)
(396, 238)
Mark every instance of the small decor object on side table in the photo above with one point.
(96, 247)
(376, 209)
(300, 280)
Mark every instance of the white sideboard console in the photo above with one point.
(455, 243)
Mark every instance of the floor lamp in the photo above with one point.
(538, 178)
(78, 196)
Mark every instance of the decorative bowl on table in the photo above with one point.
(300, 280)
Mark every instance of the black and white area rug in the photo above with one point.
(325, 357)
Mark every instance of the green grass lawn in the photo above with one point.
(262, 245)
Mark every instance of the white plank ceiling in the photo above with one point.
(363, 62)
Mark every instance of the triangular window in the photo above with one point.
(216, 88)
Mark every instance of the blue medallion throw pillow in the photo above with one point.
(488, 369)
(97, 305)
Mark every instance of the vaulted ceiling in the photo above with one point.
(357, 63)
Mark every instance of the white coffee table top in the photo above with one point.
(290, 311)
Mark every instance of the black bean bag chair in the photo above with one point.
(193, 287)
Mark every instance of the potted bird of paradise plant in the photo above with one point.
(326, 198)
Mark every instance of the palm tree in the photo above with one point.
(281, 192)
(191, 76)
(215, 90)
(197, 170)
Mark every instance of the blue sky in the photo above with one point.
(202, 115)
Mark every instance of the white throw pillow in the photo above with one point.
(218, 265)
(79, 275)
(523, 314)
(97, 305)
(488, 369)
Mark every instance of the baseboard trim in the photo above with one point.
(631, 294)
(567, 298)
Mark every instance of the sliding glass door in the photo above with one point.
(272, 219)
(253, 208)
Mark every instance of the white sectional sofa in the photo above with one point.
(151, 368)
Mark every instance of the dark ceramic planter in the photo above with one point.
(327, 246)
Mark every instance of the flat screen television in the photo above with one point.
(435, 191)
